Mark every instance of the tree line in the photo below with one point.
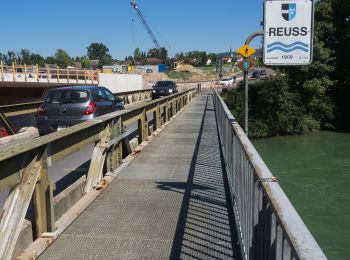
(100, 52)
(300, 99)
(95, 51)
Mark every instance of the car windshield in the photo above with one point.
(67, 96)
(164, 84)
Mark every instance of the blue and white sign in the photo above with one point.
(288, 32)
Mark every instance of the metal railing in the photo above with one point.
(32, 73)
(24, 168)
(268, 225)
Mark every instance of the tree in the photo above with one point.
(341, 18)
(50, 60)
(25, 56)
(85, 62)
(99, 51)
(63, 60)
(137, 54)
(153, 53)
(11, 57)
(314, 82)
(37, 59)
(163, 54)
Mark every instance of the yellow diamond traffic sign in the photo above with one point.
(246, 51)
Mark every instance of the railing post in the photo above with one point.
(114, 156)
(157, 118)
(98, 159)
(91, 76)
(58, 74)
(84, 75)
(67, 72)
(2, 71)
(173, 107)
(25, 72)
(167, 111)
(43, 200)
(143, 127)
(13, 72)
(37, 72)
(76, 73)
(48, 73)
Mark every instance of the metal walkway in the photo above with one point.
(171, 202)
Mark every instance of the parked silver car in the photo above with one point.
(67, 106)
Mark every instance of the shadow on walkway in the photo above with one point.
(205, 227)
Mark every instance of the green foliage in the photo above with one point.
(341, 18)
(300, 98)
(99, 51)
(195, 58)
(62, 59)
(274, 109)
(161, 53)
(140, 56)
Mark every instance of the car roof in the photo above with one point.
(87, 87)
(167, 81)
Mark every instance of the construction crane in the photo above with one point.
(145, 24)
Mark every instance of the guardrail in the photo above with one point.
(32, 73)
(269, 226)
(24, 168)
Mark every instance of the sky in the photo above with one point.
(43, 26)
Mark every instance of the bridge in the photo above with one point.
(33, 75)
(185, 184)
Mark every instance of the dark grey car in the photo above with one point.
(67, 106)
(164, 88)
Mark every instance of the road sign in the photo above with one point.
(246, 51)
(288, 28)
(245, 64)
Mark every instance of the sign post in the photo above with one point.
(245, 65)
(288, 32)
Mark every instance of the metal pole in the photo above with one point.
(246, 102)
(249, 39)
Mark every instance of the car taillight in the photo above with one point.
(41, 110)
(90, 109)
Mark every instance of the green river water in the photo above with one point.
(314, 172)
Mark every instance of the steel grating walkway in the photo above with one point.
(169, 203)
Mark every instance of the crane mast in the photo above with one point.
(145, 24)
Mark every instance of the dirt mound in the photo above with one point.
(189, 68)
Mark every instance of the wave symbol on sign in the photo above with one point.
(287, 47)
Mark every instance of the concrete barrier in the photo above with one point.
(120, 82)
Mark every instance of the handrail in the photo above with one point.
(269, 226)
(24, 168)
(32, 73)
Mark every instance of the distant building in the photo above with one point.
(154, 61)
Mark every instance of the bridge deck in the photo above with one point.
(170, 202)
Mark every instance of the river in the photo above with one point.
(314, 172)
